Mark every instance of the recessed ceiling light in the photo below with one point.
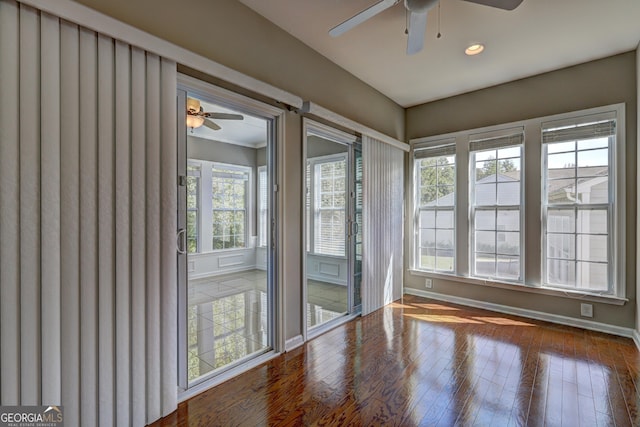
(474, 49)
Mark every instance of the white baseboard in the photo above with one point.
(532, 314)
(294, 342)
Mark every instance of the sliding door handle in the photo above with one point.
(181, 241)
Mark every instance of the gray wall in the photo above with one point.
(606, 81)
(216, 151)
(230, 33)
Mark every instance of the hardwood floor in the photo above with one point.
(423, 362)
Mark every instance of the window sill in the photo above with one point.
(541, 290)
(217, 252)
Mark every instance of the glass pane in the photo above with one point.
(590, 160)
(562, 164)
(561, 272)
(428, 259)
(592, 276)
(486, 171)
(485, 265)
(561, 191)
(445, 219)
(561, 246)
(446, 195)
(444, 260)
(510, 168)
(509, 220)
(485, 220)
(592, 247)
(504, 153)
(508, 267)
(446, 175)
(559, 147)
(593, 221)
(508, 243)
(593, 143)
(444, 239)
(485, 194)
(593, 190)
(485, 241)
(509, 193)
(427, 219)
(428, 195)
(427, 238)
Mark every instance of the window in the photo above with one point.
(496, 201)
(578, 204)
(229, 201)
(575, 219)
(326, 196)
(193, 206)
(263, 220)
(435, 199)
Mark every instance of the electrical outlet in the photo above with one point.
(428, 283)
(586, 310)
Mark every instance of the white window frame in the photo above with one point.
(508, 138)
(533, 275)
(613, 286)
(263, 207)
(313, 198)
(433, 149)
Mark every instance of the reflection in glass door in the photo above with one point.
(226, 164)
(333, 215)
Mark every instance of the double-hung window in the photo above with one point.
(435, 199)
(263, 220)
(496, 205)
(578, 203)
(229, 200)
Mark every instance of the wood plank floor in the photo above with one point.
(423, 362)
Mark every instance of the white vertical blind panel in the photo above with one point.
(169, 302)
(88, 228)
(50, 208)
(106, 232)
(138, 237)
(70, 220)
(30, 265)
(123, 232)
(88, 202)
(9, 207)
(154, 373)
(383, 167)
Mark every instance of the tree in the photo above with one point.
(490, 167)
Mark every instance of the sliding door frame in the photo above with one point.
(275, 129)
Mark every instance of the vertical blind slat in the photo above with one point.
(169, 299)
(9, 207)
(88, 228)
(153, 238)
(50, 208)
(30, 262)
(70, 220)
(138, 244)
(122, 232)
(106, 220)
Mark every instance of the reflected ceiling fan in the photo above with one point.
(418, 10)
(197, 117)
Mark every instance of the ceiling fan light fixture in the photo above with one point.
(194, 121)
(474, 49)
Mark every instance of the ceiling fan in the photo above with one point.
(197, 117)
(418, 10)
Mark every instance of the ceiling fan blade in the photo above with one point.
(417, 31)
(224, 116)
(361, 17)
(500, 4)
(211, 125)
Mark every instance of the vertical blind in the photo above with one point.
(87, 222)
(383, 263)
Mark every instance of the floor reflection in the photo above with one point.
(228, 317)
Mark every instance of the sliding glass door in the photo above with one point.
(333, 220)
(225, 239)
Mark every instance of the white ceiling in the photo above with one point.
(538, 36)
(250, 132)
